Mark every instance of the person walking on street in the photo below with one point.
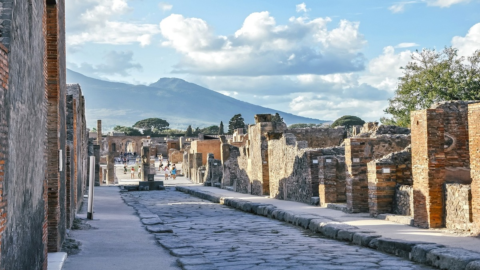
(174, 172)
(125, 169)
(139, 171)
(132, 173)
(167, 172)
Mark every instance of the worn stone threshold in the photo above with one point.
(428, 253)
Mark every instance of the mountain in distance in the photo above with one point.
(179, 102)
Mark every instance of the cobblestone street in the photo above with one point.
(212, 236)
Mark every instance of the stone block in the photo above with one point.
(419, 252)
(172, 243)
(400, 248)
(159, 229)
(182, 252)
(363, 239)
(475, 265)
(451, 258)
(152, 221)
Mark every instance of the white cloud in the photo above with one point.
(98, 21)
(383, 71)
(301, 7)
(470, 43)
(398, 8)
(165, 6)
(445, 3)
(261, 47)
(407, 45)
(114, 63)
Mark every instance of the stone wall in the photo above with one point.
(474, 146)
(403, 201)
(440, 150)
(358, 152)
(332, 176)
(213, 171)
(22, 129)
(384, 175)
(175, 156)
(320, 137)
(458, 206)
(205, 147)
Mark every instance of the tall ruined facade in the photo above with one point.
(37, 203)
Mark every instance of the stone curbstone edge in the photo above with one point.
(431, 254)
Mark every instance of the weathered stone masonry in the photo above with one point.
(33, 194)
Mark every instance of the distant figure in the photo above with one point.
(132, 173)
(160, 167)
(139, 171)
(174, 172)
(125, 169)
(167, 173)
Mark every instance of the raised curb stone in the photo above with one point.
(159, 229)
(152, 221)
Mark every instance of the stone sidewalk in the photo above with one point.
(117, 239)
(432, 247)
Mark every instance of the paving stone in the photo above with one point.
(236, 240)
(152, 221)
(180, 252)
(159, 229)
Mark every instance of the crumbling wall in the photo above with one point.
(205, 147)
(474, 147)
(358, 152)
(213, 172)
(384, 175)
(458, 206)
(320, 137)
(332, 176)
(175, 156)
(403, 201)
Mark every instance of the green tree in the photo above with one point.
(189, 132)
(127, 130)
(196, 131)
(277, 118)
(348, 121)
(221, 129)
(152, 123)
(432, 77)
(93, 130)
(237, 121)
(211, 130)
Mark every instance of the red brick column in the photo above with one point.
(327, 187)
(381, 187)
(428, 167)
(53, 144)
(356, 182)
(4, 71)
(474, 145)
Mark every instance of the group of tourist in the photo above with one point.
(169, 170)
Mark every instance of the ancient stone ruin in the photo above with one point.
(426, 175)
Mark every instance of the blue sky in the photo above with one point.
(321, 59)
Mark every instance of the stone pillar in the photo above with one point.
(428, 167)
(381, 187)
(356, 182)
(327, 188)
(145, 163)
(99, 132)
(96, 153)
(474, 146)
(110, 169)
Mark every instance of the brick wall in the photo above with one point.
(319, 137)
(384, 175)
(332, 185)
(428, 167)
(360, 151)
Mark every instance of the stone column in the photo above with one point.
(110, 169)
(327, 175)
(99, 132)
(428, 167)
(145, 162)
(96, 153)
